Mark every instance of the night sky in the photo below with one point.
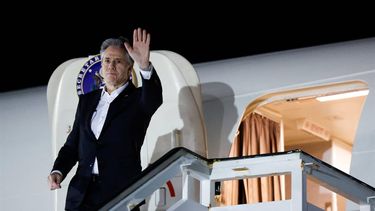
(36, 44)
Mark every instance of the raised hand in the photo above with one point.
(140, 51)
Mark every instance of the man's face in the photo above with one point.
(116, 70)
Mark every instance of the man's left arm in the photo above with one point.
(151, 96)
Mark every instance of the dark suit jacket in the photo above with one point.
(118, 146)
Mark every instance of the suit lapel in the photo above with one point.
(91, 107)
(117, 106)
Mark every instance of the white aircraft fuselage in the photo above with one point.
(202, 110)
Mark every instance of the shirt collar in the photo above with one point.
(115, 93)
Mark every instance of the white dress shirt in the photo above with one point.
(100, 114)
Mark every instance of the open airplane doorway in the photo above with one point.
(323, 128)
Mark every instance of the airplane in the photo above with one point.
(203, 108)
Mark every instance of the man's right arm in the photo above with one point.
(68, 155)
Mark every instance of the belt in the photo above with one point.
(94, 177)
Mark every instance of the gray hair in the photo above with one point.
(116, 42)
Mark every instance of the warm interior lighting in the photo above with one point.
(343, 95)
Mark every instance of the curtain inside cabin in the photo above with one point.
(256, 135)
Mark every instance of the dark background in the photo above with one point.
(37, 41)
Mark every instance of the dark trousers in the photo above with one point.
(92, 202)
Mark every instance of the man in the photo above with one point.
(109, 127)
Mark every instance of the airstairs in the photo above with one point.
(207, 172)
